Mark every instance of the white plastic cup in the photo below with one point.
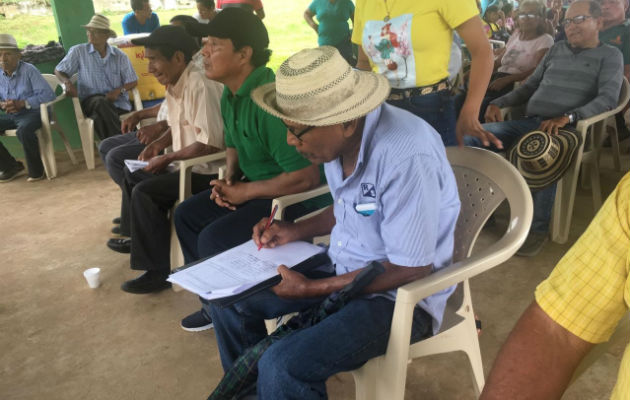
(93, 277)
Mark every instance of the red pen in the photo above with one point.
(269, 221)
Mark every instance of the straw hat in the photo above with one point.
(317, 87)
(99, 21)
(541, 158)
(8, 42)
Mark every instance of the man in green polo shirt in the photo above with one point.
(616, 29)
(260, 163)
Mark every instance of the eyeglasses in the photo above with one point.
(527, 16)
(575, 20)
(300, 133)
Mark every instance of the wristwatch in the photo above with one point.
(572, 117)
(123, 90)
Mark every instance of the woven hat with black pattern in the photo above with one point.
(317, 87)
(541, 158)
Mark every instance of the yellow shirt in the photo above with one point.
(589, 290)
(412, 47)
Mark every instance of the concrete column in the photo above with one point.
(69, 16)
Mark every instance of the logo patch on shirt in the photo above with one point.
(368, 190)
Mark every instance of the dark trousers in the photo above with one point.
(105, 114)
(149, 199)
(115, 150)
(438, 109)
(205, 229)
(26, 122)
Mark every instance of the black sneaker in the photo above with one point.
(197, 322)
(149, 282)
(116, 221)
(11, 174)
(120, 245)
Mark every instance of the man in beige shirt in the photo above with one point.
(195, 128)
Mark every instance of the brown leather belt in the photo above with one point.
(400, 94)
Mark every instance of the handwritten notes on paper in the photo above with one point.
(240, 268)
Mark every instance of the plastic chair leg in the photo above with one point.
(87, 143)
(47, 153)
(563, 205)
(69, 150)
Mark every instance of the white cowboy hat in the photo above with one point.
(541, 158)
(317, 87)
(8, 42)
(99, 21)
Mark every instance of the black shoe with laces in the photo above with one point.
(121, 245)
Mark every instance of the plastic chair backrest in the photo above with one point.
(624, 95)
(52, 81)
(479, 194)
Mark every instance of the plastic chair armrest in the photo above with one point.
(285, 201)
(185, 170)
(137, 102)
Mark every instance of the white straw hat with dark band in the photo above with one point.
(99, 21)
(317, 87)
(8, 42)
(541, 158)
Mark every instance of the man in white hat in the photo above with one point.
(395, 202)
(22, 90)
(105, 77)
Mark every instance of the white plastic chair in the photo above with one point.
(484, 180)
(86, 125)
(44, 134)
(185, 191)
(592, 152)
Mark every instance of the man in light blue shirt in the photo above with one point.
(141, 20)
(395, 202)
(105, 77)
(22, 90)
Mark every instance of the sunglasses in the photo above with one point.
(575, 20)
(298, 134)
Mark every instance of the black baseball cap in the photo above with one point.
(239, 25)
(174, 36)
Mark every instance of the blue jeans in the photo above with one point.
(438, 109)
(26, 122)
(508, 132)
(297, 366)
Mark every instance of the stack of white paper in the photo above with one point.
(240, 268)
(134, 165)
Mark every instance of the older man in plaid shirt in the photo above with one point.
(105, 76)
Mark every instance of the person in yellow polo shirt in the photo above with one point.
(579, 305)
(409, 42)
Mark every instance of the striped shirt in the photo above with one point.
(403, 174)
(589, 290)
(99, 75)
(25, 83)
(586, 82)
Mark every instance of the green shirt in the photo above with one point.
(618, 36)
(260, 139)
(333, 20)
